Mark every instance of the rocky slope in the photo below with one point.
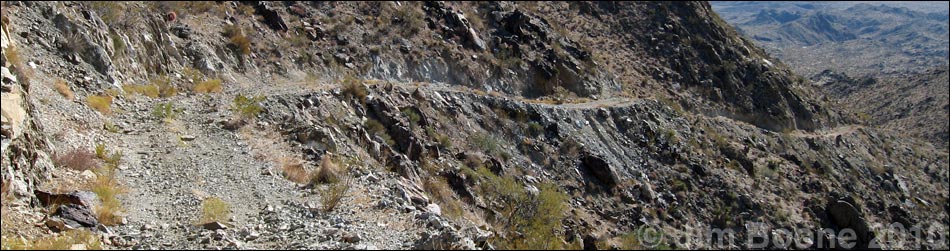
(850, 37)
(459, 125)
(914, 105)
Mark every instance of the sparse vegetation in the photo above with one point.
(63, 241)
(677, 108)
(164, 85)
(414, 117)
(486, 143)
(247, 107)
(110, 127)
(439, 190)
(328, 172)
(570, 147)
(444, 141)
(102, 104)
(208, 86)
(536, 217)
(294, 170)
(101, 151)
(215, 210)
(374, 128)
(76, 159)
(107, 189)
(165, 112)
(535, 129)
(63, 89)
(333, 194)
(147, 90)
(239, 42)
(353, 88)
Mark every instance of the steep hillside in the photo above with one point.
(854, 38)
(914, 105)
(410, 125)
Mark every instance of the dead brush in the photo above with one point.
(328, 172)
(77, 159)
(293, 169)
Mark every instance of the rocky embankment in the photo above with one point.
(395, 125)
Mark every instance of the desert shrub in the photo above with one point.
(118, 44)
(327, 172)
(333, 194)
(535, 129)
(535, 217)
(76, 159)
(214, 210)
(414, 117)
(192, 74)
(444, 141)
(208, 86)
(147, 90)
(294, 170)
(101, 152)
(111, 12)
(63, 89)
(486, 143)
(110, 127)
(677, 108)
(374, 128)
(107, 189)
(164, 85)
(102, 104)
(239, 41)
(165, 111)
(411, 18)
(439, 190)
(247, 107)
(571, 147)
(353, 89)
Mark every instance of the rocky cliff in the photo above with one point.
(439, 125)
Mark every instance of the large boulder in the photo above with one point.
(846, 216)
(601, 169)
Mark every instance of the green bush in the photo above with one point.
(487, 143)
(214, 210)
(247, 107)
(535, 129)
(443, 139)
(536, 217)
(414, 117)
(165, 111)
(374, 128)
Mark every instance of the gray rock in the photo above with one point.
(352, 237)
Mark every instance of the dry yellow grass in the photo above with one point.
(328, 172)
(80, 238)
(103, 104)
(293, 169)
(63, 89)
(107, 188)
(147, 90)
(439, 189)
(208, 86)
(331, 196)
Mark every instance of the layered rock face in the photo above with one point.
(463, 125)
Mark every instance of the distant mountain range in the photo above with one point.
(856, 38)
